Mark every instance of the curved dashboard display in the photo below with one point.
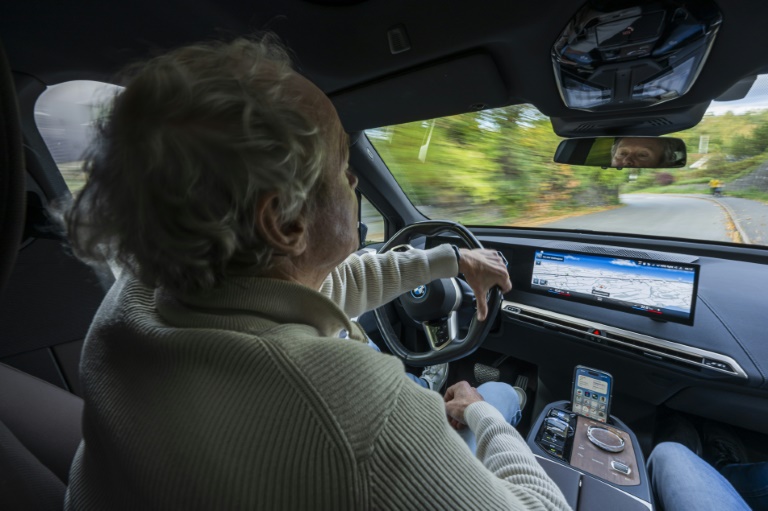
(661, 290)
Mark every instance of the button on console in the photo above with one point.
(621, 467)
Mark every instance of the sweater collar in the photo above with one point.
(254, 304)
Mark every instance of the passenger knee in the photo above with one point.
(666, 454)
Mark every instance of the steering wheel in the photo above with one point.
(435, 305)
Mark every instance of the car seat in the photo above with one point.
(40, 424)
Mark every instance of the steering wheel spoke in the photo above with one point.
(442, 332)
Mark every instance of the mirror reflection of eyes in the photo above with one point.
(641, 155)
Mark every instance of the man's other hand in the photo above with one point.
(483, 269)
(457, 398)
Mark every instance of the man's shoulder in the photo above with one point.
(346, 366)
(357, 385)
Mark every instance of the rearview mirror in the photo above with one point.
(623, 152)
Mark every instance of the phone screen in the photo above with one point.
(592, 393)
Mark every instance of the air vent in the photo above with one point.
(593, 128)
(587, 126)
(628, 342)
(659, 122)
(398, 40)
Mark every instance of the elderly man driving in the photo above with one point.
(214, 376)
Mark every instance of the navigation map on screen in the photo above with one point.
(652, 288)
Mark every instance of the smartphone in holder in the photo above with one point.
(592, 392)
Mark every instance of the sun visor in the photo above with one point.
(458, 85)
(738, 90)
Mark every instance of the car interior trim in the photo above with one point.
(469, 81)
(542, 460)
(650, 347)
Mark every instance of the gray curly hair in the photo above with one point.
(196, 137)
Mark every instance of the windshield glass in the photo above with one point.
(495, 168)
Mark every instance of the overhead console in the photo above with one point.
(618, 57)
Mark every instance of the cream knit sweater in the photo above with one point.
(245, 397)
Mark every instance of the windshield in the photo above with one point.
(495, 168)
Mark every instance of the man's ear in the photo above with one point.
(286, 238)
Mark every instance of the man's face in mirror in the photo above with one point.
(637, 152)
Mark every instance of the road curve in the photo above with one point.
(658, 215)
(751, 216)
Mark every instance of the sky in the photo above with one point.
(756, 99)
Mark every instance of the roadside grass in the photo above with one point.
(751, 194)
(685, 188)
(73, 175)
(681, 189)
(697, 180)
(729, 170)
(693, 181)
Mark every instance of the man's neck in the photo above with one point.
(286, 268)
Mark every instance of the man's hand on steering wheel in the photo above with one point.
(483, 269)
(435, 305)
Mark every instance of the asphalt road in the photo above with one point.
(677, 216)
(699, 217)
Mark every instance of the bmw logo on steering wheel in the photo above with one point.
(419, 292)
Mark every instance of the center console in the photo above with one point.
(597, 465)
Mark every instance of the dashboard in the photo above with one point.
(680, 330)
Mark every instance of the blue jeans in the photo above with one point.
(501, 395)
(417, 380)
(504, 398)
(681, 481)
(751, 481)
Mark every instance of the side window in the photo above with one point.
(66, 116)
(374, 220)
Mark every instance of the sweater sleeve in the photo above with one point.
(506, 454)
(362, 283)
(420, 462)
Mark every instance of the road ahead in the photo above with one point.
(658, 215)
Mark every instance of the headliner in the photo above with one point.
(342, 46)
